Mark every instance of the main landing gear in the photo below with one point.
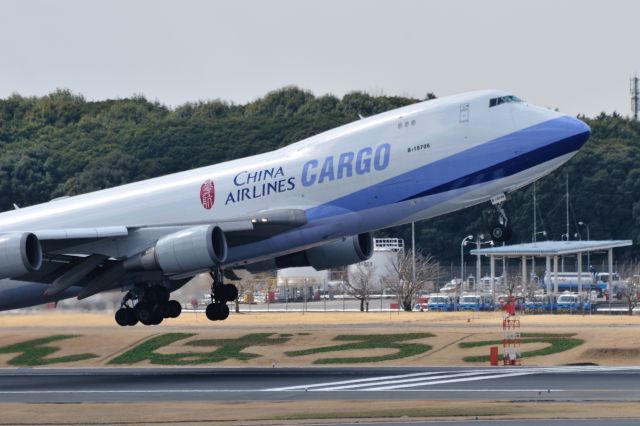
(153, 305)
(221, 293)
(500, 232)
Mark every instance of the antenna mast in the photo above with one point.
(635, 97)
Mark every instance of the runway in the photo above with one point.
(294, 384)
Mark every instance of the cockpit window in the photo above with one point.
(503, 100)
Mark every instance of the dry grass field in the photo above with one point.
(302, 412)
(608, 340)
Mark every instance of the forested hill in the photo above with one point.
(61, 144)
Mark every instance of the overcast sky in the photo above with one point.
(575, 55)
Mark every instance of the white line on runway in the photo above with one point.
(403, 381)
(370, 379)
(439, 382)
(441, 377)
(160, 391)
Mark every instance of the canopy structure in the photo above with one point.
(552, 248)
(555, 250)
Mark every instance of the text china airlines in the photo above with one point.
(251, 185)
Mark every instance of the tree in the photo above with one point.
(360, 283)
(630, 286)
(401, 278)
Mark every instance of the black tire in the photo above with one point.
(230, 292)
(121, 317)
(144, 312)
(175, 309)
(213, 311)
(132, 318)
(157, 317)
(223, 312)
(500, 233)
(165, 310)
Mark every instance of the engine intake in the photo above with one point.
(20, 253)
(190, 250)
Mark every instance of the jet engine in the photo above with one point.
(335, 254)
(19, 253)
(190, 250)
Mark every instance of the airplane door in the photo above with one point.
(464, 113)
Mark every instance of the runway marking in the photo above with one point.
(345, 382)
(455, 380)
(403, 378)
(403, 381)
(435, 378)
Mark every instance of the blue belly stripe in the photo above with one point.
(496, 159)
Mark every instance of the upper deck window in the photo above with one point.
(503, 100)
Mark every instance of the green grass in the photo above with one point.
(558, 342)
(370, 341)
(224, 349)
(34, 352)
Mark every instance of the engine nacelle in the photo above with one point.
(343, 252)
(190, 250)
(20, 253)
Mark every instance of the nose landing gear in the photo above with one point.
(500, 232)
(221, 293)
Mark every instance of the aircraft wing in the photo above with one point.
(82, 255)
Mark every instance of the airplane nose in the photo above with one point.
(580, 130)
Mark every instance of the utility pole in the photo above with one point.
(567, 197)
(534, 213)
(535, 231)
(413, 252)
(635, 98)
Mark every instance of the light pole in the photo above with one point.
(479, 243)
(533, 258)
(464, 242)
(581, 223)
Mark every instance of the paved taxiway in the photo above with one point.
(195, 384)
(519, 422)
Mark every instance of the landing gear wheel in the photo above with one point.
(174, 308)
(224, 312)
(500, 233)
(122, 317)
(145, 313)
(221, 293)
(229, 292)
(132, 318)
(217, 312)
(164, 310)
(213, 311)
(157, 317)
(171, 309)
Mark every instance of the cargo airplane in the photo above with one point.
(312, 203)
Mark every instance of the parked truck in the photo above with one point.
(572, 302)
(441, 302)
(475, 302)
